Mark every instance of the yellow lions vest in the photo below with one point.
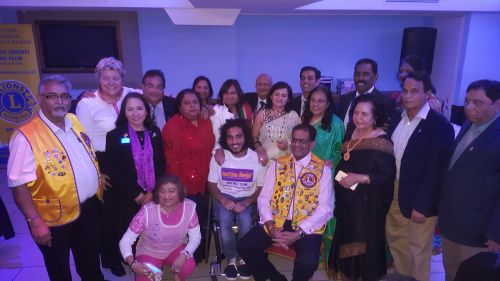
(304, 191)
(54, 191)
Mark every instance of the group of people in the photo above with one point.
(128, 179)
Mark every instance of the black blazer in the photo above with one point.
(297, 104)
(469, 210)
(423, 164)
(251, 99)
(121, 164)
(345, 101)
(168, 107)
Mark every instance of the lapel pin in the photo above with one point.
(471, 148)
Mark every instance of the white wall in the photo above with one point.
(279, 45)
(481, 60)
(448, 57)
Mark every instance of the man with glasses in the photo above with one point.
(469, 206)
(54, 178)
(294, 205)
(162, 107)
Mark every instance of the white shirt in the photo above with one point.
(238, 176)
(346, 118)
(403, 132)
(323, 212)
(21, 168)
(98, 117)
(159, 114)
(302, 104)
(221, 114)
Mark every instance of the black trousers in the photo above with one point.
(252, 249)
(81, 237)
(202, 213)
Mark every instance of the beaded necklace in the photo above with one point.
(269, 118)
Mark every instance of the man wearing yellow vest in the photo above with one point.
(54, 177)
(294, 205)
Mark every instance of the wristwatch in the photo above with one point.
(301, 232)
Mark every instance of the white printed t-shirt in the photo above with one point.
(237, 177)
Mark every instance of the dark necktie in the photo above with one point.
(153, 114)
(262, 104)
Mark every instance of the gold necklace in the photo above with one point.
(347, 154)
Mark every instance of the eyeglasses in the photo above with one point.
(54, 96)
(158, 88)
(299, 141)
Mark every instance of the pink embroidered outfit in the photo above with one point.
(163, 236)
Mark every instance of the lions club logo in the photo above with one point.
(16, 101)
(308, 180)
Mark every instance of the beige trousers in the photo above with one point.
(454, 254)
(410, 243)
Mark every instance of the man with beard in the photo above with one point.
(235, 186)
(54, 177)
(309, 78)
(365, 76)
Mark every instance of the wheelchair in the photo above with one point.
(215, 268)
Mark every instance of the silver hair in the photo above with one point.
(54, 79)
(109, 63)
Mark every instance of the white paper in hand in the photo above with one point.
(340, 175)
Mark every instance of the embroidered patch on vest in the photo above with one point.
(308, 180)
(85, 138)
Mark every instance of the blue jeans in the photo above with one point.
(226, 219)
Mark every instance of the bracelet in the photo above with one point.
(132, 264)
(187, 253)
(257, 142)
(32, 219)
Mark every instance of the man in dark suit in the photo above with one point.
(162, 107)
(422, 143)
(469, 210)
(309, 78)
(365, 76)
(258, 99)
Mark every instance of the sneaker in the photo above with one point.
(243, 269)
(231, 271)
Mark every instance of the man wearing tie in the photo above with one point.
(162, 107)
(258, 99)
(469, 210)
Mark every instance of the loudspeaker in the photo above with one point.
(420, 41)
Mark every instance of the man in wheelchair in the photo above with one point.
(235, 186)
(294, 205)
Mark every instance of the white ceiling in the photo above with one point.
(270, 6)
(225, 12)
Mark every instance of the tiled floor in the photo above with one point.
(20, 259)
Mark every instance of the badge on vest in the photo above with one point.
(55, 160)
(308, 180)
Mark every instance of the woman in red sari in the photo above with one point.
(188, 142)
